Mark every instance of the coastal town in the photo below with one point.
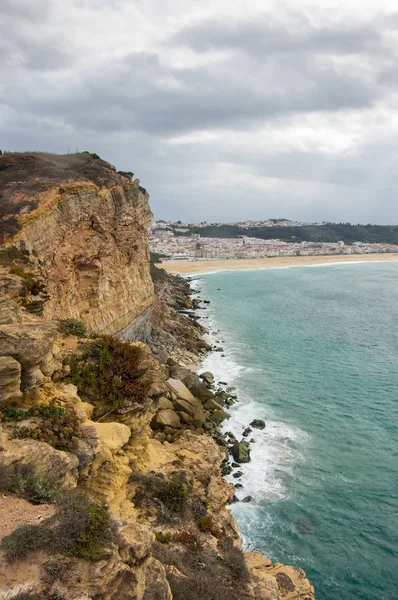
(168, 240)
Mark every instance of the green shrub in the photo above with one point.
(171, 492)
(28, 484)
(35, 286)
(163, 538)
(26, 539)
(80, 528)
(8, 414)
(58, 426)
(207, 523)
(84, 527)
(72, 327)
(110, 369)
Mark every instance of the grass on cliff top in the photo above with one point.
(110, 369)
(80, 527)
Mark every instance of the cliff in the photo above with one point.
(83, 228)
(110, 462)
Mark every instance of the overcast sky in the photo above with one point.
(224, 110)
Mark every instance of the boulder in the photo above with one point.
(165, 403)
(180, 390)
(241, 452)
(219, 416)
(212, 405)
(184, 406)
(10, 378)
(199, 390)
(207, 377)
(112, 435)
(202, 345)
(166, 417)
(258, 424)
(190, 379)
(247, 499)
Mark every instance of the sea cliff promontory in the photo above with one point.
(110, 448)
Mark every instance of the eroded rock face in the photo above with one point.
(94, 256)
(86, 227)
(10, 378)
(32, 346)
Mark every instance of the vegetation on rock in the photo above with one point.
(58, 426)
(80, 528)
(26, 483)
(218, 575)
(109, 369)
(171, 492)
(72, 327)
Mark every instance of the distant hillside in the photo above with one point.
(331, 232)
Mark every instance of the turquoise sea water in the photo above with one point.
(314, 352)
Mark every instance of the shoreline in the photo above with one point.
(212, 266)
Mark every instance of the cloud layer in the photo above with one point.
(223, 112)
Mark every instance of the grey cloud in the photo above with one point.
(266, 35)
(126, 104)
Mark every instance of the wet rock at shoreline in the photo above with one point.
(241, 452)
(258, 424)
(247, 499)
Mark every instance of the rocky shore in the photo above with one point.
(112, 454)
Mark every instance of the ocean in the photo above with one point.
(314, 352)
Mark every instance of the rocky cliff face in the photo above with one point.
(110, 487)
(83, 227)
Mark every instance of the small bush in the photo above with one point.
(35, 286)
(72, 327)
(109, 369)
(84, 527)
(171, 492)
(188, 538)
(80, 528)
(28, 484)
(58, 427)
(163, 538)
(26, 539)
(8, 414)
(207, 523)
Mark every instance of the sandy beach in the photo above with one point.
(205, 266)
